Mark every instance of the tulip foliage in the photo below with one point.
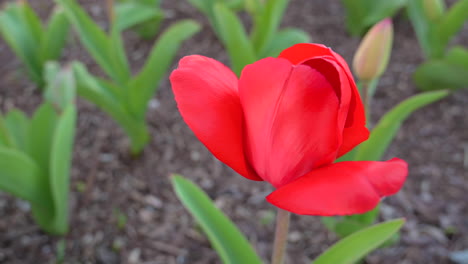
(233, 247)
(435, 27)
(363, 14)
(265, 38)
(35, 153)
(143, 16)
(32, 42)
(369, 63)
(264, 126)
(123, 96)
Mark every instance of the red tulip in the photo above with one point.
(285, 121)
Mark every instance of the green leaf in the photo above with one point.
(21, 38)
(95, 40)
(458, 56)
(234, 37)
(422, 26)
(204, 6)
(109, 98)
(32, 20)
(382, 9)
(452, 22)
(5, 138)
(284, 39)
(134, 13)
(366, 219)
(60, 159)
(440, 74)
(100, 92)
(347, 227)
(225, 237)
(387, 127)
(266, 23)
(17, 124)
(358, 245)
(118, 59)
(41, 129)
(19, 175)
(144, 84)
(362, 14)
(54, 37)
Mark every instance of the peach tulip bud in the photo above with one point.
(433, 9)
(371, 58)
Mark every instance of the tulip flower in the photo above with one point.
(285, 121)
(371, 58)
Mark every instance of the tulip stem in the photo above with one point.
(281, 237)
(367, 92)
(365, 97)
(110, 12)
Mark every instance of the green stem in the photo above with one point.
(366, 98)
(281, 237)
(139, 137)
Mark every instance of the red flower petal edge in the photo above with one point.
(207, 97)
(344, 188)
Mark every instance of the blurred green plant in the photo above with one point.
(32, 42)
(363, 14)
(233, 247)
(370, 61)
(123, 96)
(35, 153)
(142, 16)
(265, 38)
(435, 26)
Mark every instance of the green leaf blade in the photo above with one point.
(60, 162)
(144, 84)
(19, 175)
(387, 127)
(440, 74)
(358, 245)
(55, 36)
(132, 13)
(240, 49)
(267, 23)
(228, 241)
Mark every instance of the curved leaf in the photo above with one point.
(60, 159)
(143, 86)
(440, 74)
(283, 39)
(234, 37)
(452, 22)
(54, 37)
(358, 245)
(387, 127)
(132, 13)
(266, 23)
(20, 176)
(228, 241)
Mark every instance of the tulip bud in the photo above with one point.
(433, 9)
(371, 58)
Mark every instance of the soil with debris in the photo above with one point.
(123, 209)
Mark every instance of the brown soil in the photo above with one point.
(434, 141)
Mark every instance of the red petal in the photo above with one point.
(291, 119)
(315, 55)
(305, 51)
(344, 188)
(355, 130)
(207, 96)
(335, 75)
